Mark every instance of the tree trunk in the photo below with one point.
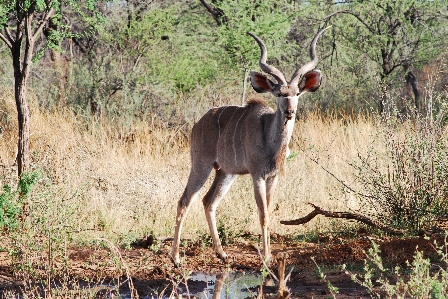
(23, 113)
(21, 72)
(24, 32)
(412, 80)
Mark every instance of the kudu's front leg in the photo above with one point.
(263, 214)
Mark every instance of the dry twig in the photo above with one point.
(345, 215)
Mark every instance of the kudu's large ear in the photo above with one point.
(311, 81)
(260, 82)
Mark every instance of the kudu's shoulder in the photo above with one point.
(256, 102)
(232, 111)
(220, 117)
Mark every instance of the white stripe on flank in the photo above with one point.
(227, 132)
(234, 132)
(219, 131)
(243, 151)
(202, 136)
(219, 117)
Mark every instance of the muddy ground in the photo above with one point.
(152, 272)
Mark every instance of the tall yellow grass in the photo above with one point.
(127, 184)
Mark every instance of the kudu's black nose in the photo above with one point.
(289, 114)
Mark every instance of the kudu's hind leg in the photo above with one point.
(211, 200)
(196, 180)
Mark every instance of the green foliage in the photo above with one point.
(172, 60)
(27, 181)
(321, 273)
(147, 58)
(36, 239)
(382, 41)
(12, 202)
(421, 278)
(271, 22)
(57, 30)
(9, 209)
(226, 236)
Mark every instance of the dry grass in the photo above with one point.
(126, 184)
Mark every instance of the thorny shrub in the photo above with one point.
(419, 279)
(405, 185)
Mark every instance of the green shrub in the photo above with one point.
(12, 202)
(421, 278)
(9, 209)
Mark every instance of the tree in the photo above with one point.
(23, 23)
(398, 36)
(271, 20)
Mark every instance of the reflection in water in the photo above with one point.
(227, 285)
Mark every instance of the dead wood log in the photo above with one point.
(344, 215)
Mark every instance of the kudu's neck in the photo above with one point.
(279, 131)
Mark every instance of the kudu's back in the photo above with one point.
(224, 136)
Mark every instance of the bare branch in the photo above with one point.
(43, 22)
(265, 265)
(29, 47)
(344, 215)
(9, 35)
(217, 14)
(371, 29)
(6, 40)
(28, 24)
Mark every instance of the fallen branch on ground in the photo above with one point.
(344, 215)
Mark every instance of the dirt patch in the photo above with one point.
(153, 272)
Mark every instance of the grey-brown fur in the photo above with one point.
(228, 135)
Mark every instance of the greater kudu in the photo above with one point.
(246, 139)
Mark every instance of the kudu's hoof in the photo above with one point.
(223, 257)
(176, 262)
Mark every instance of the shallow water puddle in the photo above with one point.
(224, 285)
(227, 285)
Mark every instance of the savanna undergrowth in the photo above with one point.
(420, 278)
(405, 184)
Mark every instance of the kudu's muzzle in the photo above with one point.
(289, 114)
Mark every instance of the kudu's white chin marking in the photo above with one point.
(250, 139)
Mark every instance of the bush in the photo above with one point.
(405, 184)
(36, 225)
(13, 202)
(419, 279)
